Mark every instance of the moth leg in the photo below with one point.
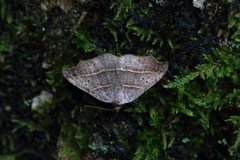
(117, 108)
(99, 108)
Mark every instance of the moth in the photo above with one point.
(116, 80)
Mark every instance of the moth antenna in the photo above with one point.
(80, 20)
(100, 108)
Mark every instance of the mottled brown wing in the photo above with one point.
(136, 75)
(95, 76)
(116, 80)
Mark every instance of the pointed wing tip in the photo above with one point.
(65, 72)
(163, 67)
(166, 65)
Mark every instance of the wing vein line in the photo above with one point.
(112, 70)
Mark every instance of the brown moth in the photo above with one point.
(116, 80)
